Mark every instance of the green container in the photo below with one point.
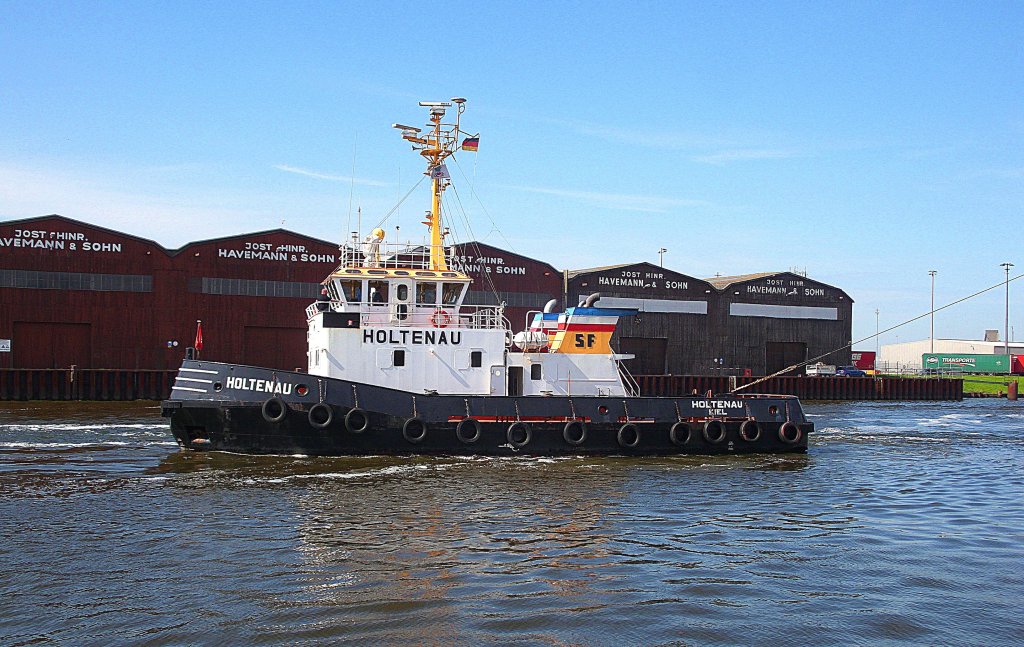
(966, 363)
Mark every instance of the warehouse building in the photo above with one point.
(756, 324)
(907, 356)
(75, 294)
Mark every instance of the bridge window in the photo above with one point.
(426, 293)
(353, 290)
(450, 293)
(378, 291)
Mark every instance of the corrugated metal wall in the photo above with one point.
(75, 294)
(763, 324)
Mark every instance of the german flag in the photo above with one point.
(471, 144)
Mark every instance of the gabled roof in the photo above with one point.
(722, 282)
(266, 232)
(591, 270)
(87, 225)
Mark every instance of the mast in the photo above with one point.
(436, 145)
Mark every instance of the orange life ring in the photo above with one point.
(440, 318)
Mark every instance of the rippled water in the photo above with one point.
(903, 524)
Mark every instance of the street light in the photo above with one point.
(932, 273)
(1006, 331)
(661, 256)
(876, 334)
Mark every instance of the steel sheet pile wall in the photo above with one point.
(87, 384)
(809, 388)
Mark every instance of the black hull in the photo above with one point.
(253, 410)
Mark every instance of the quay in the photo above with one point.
(85, 384)
(810, 388)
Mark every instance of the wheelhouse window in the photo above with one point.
(352, 290)
(450, 293)
(378, 291)
(426, 293)
(402, 292)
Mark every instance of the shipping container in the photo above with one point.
(966, 363)
(863, 359)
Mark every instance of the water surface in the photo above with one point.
(902, 525)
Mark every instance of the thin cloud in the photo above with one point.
(329, 178)
(619, 201)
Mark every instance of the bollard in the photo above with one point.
(1011, 390)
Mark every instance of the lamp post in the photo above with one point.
(876, 334)
(932, 274)
(1006, 330)
(661, 256)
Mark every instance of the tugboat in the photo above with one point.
(399, 364)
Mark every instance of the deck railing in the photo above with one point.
(415, 316)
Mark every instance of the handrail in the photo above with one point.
(464, 317)
(629, 384)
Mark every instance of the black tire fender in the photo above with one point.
(790, 434)
(575, 432)
(356, 421)
(750, 431)
(511, 433)
(274, 410)
(680, 434)
(714, 431)
(320, 415)
(626, 429)
(414, 430)
(468, 423)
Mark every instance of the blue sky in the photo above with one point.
(863, 142)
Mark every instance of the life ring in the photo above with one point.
(460, 430)
(414, 430)
(274, 410)
(440, 318)
(680, 434)
(321, 415)
(356, 421)
(714, 431)
(626, 429)
(790, 434)
(750, 430)
(575, 432)
(524, 427)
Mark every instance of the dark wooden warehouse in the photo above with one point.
(75, 294)
(757, 323)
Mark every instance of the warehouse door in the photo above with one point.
(651, 354)
(781, 354)
(42, 344)
(283, 348)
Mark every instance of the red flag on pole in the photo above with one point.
(199, 334)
